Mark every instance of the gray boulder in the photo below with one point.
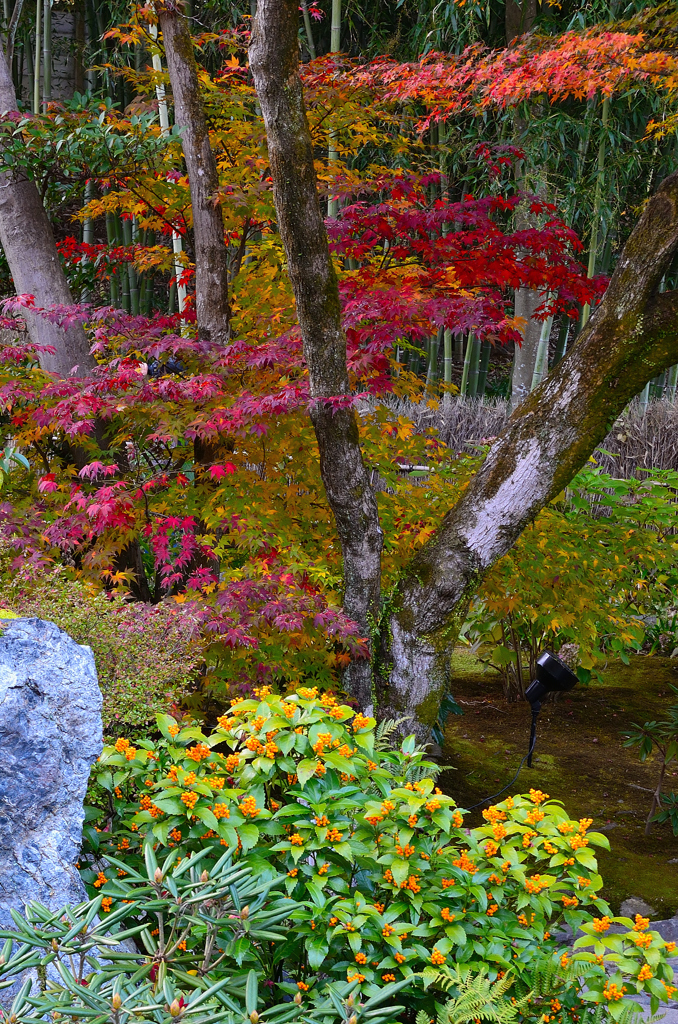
(50, 734)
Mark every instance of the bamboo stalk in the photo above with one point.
(309, 32)
(561, 344)
(124, 278)
(129, 233)
(644, 398)
(149, 277)
(463, 388)
(113, 278)
(47, 53)
(432, 369)
(335, 46)
(485, 353)
(447, 356)
(597, 200)
(671, 383)
(541, 362)
(36, 64)
(87, 232)
(472, 389)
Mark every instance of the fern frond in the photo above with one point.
(385, 730)
(476, 997)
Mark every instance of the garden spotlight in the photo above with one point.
(553, 676)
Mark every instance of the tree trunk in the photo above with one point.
(27, 239)
(211, 253)
(274, 61)
(631, 337)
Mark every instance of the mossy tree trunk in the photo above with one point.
(274, 61)
(631, 337)
(211, 254)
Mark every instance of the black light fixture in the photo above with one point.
(553, 676)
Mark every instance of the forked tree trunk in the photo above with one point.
(27, 240)
(274, 61)
(632, 336)
(211, 255)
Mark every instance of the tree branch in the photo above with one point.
(11, 31)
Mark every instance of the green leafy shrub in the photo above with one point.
(384, 880)
(147, 656)
(189, 924)
(593, 562)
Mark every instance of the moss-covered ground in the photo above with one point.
(579, 759)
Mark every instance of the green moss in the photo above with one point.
(579, 759)
(427, 710)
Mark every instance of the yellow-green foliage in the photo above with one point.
(584, 572)
(146, 656)
(386, 879)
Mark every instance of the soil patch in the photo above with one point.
(580, 760)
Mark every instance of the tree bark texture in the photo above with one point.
(27, 240)
(631, 337)
(211, 253)
(274, 61)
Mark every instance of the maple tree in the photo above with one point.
(538, 453)
(212, 469)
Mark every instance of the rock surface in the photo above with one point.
(635, 905)
(50, 734)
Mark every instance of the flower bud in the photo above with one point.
(351, 1000)
(55, 945)
(245, 913)
(158, 876)
(205, 876)
(116, 1001)
(175, 1008)
(254, 1017)
(353, 1019)
(297, 998)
